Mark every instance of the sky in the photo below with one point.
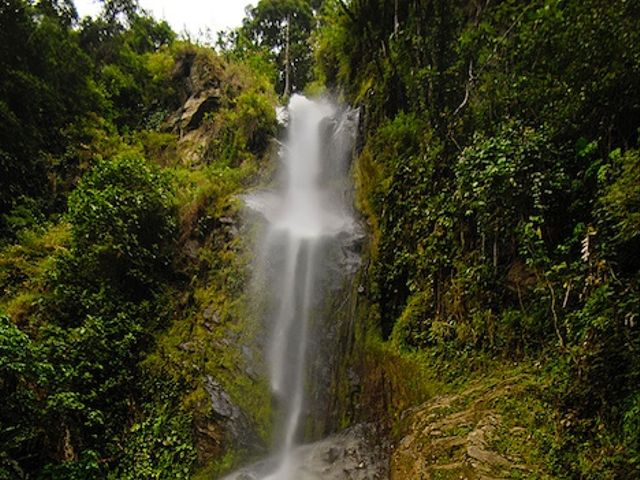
(193, 15)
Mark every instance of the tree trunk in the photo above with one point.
(287, 63)
(395, 19)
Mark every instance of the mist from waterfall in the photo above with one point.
(303, 249)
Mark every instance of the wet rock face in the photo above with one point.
(238, 428)
(354, 454)
(226, 426)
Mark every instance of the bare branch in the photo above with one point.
(467, 89)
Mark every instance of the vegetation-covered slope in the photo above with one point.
(499, 175)
(121, 265)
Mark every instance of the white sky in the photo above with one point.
(196, 16)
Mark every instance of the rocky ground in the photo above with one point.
(479, 433)
(354, 454)
(472, 435)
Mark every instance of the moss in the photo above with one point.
(24, 265)
(412, 329)
(389, 378)
(369, 182)
(528, 427)
(22, 306)
(195, 347)
(501, 412)
(212, 329)
(161, 147)
(221, 466)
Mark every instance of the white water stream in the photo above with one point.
(308, 217)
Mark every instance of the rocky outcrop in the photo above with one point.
(225, 426)
(238, 426)
(196, 107)
(198, 79)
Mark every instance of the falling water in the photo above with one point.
(309, 225)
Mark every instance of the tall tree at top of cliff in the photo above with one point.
(283, 27)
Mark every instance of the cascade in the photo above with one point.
(303, 248)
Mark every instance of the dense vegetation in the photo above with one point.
(500, 176)
(498, 170)
(100, 189)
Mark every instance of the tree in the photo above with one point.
(44, 87)
(283, 28)
(119, 42)
(121, 216)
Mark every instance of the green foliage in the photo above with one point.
(500, 175)
(277, 30)
(631, 427)
(91, 271)
(159, 446)
(27, 212)
(60, 79)
(245, 130)
(620, 199)
(121, 216)
(131, 63)
(411, 329)
(103, 301)
(508, 178)
(88, 466)
(44, 87)
(23, 372)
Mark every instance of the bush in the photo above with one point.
(122, 218)
(23, 372)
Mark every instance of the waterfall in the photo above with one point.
(303, 250)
